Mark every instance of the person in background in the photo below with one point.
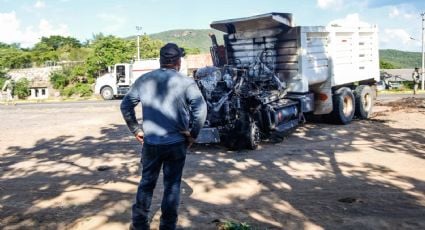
(8, 88)
(416, 79)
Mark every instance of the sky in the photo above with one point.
(26, 21)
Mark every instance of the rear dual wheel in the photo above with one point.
(347, 104)
(343, 107)
(364, 101)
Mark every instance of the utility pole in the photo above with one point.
(139, 28)
(423, 64)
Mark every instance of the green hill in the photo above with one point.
(401, 59)
(190, 38)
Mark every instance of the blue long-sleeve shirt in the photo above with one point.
(169, 102)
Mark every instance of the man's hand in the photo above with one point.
(189, 139)
(140, 136)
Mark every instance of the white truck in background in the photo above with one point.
(119, 79)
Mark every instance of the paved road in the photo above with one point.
(68, 104)
(100, 103)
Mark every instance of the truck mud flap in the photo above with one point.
(208, 135)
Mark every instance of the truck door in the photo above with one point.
(122, 75)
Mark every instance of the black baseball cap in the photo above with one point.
(170, 52)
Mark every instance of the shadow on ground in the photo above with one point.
(306, 181)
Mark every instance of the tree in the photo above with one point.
(59, 79)
(54, 48)
(189, 50)
(55, 42)
(22, 88)
(149, 48)
(79, 54)
(72, 80)
(42, 56)
(108, 51)
(10, 46)
(2, 77)
(386, 65)
(13, 58)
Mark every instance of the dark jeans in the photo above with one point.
(171, 158)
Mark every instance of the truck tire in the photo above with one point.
(364, 96)
(107, 93)
(253, 136)
(343, 107)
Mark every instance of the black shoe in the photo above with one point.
(132, 227)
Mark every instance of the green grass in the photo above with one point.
(234, 225)
(400, 91)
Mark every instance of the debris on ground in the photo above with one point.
(103, 168)
(350, 200)
(404, 103)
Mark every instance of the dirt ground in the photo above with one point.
(77, 167)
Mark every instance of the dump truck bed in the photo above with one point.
(303, 56)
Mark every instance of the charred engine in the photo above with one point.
(246, 98)
(245, 104)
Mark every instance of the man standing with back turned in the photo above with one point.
(170, 102)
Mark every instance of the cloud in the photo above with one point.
(382, 3)
(400, 12)
(351, 20)
(397, 38)
(330, 4)
(394, 12)
(47, 29)
(39, 4)
(27, 36)
(113, 22)
(399, 35)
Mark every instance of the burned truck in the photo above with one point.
(270, 75)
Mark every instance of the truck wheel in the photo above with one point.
(107, 93)
(364, 101)
(343, 107)
(253, 136)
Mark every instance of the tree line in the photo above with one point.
(86, 60)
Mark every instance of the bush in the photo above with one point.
(2, 80)
(21, 88)
(83, 90)
(68, 91)
(59, 80)
(78, 70)
(408, 84)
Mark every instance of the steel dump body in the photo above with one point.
(303, 55)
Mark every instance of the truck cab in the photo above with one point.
(114, 83)
(121, 76)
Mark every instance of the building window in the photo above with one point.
(43, 92)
